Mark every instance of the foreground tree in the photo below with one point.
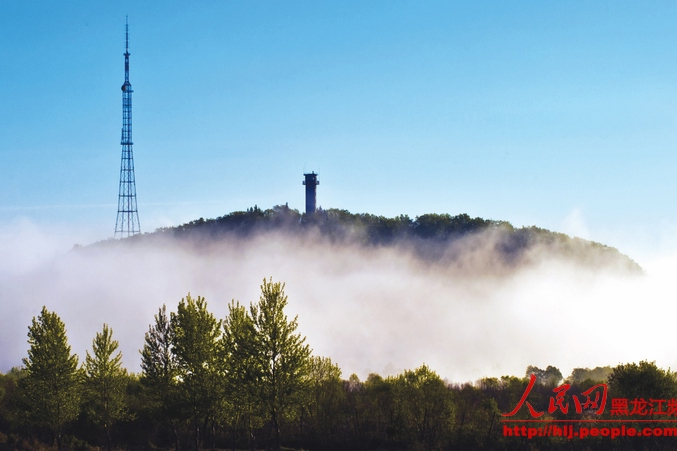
(159, 372)
(654, 387)
(282, 356)
(105, 382)
(644, 380)
(9, 398)
(157, 361)
(326, 400)
(425, 407)
(195, 333)
(50, 388)
(242, 372)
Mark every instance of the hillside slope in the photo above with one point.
(470, 244)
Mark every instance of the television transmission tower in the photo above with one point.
(127, 223)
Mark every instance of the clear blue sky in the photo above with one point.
(558, 114)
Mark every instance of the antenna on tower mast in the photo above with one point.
(127, 223)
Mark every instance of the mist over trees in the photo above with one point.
(434, 238)
(250, 381)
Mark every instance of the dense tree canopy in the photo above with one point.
(50, 385)
(430, 237)
(643, 380)
(250, 381)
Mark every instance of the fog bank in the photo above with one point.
(375, 309)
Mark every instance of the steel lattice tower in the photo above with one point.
(127, 223)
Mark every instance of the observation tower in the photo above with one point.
(311, 183)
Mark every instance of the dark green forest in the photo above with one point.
(432, 238)
(250, 381)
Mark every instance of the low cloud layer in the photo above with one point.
(370, 310)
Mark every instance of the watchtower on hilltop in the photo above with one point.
(311, 183)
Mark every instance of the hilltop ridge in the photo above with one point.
(458, 240)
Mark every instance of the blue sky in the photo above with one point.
(556, 114)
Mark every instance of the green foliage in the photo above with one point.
(157, 360)
(10, 398)
(159, 372)
(600, 374)
(643, 380)
(242, 371)
(445, 226)
(477, 410)
(324, 407)
(425, 408)
(379, 408)
(195, 333)
(550, 377)
(254, 377)
(50, 387)
(105, 382)
(282, 356)
(321, 370)
(431, 237)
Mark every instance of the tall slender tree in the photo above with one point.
(50, 387)
(242, 371)
(195, 333)
(282, 356)
(159, 372)
(105, 381)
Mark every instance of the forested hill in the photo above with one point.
(436, 238)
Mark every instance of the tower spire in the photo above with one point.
(126, 50)
(127, 223)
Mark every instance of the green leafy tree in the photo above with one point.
(159, 372)
(283, 356)
(477, 413)
(50, 387)
(157, 361)
(327, 400)
(376, 420)
(355, 408)
(550, 377)
(425, 407)
(643, 380)
(579, 375)
(195, 333)
(242, 372)
(9, 399)
(105, 381)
